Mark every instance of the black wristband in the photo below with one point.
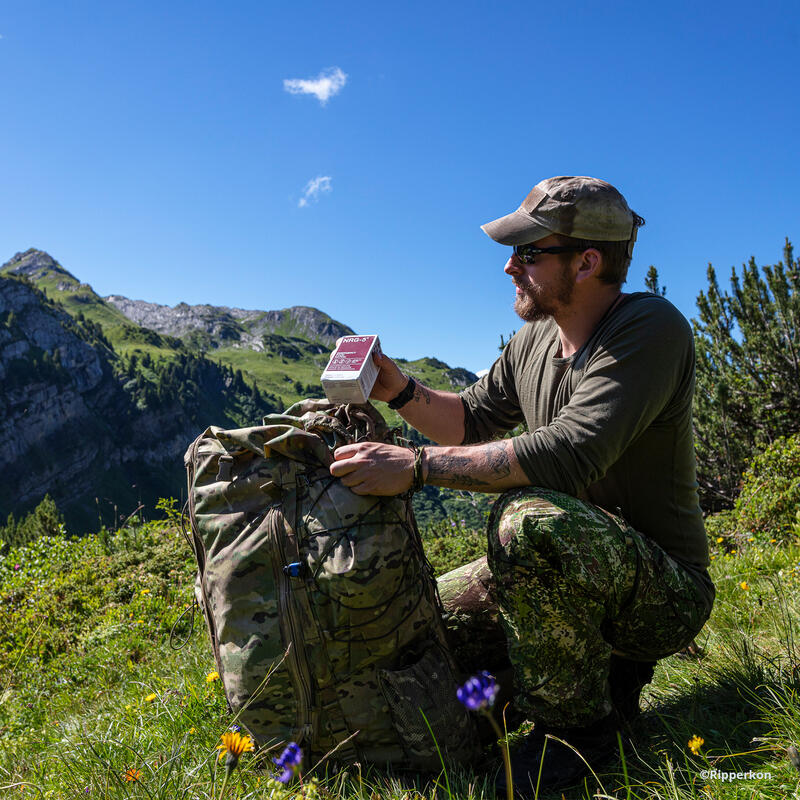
(401, 399)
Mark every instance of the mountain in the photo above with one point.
(99, 397)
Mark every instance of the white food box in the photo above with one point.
(351, 372)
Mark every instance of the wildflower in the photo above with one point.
(192, 730)
(289, 762)
(150, 698)
(744, 586)
(17, 567)
(236, 727)
(478, 692)
(128, 707)
(772, 541)
(132, 775)
(145, 591)
(232, 747)
(695, 743)
(751, 539)
(212, 676)
(720, 539)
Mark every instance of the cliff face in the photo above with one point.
(75, 423)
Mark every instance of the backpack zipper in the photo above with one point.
(291, 632)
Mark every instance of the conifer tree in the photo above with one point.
(651, 282)
(748, 371)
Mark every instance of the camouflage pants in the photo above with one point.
(566, 585)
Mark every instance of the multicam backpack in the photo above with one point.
(320, 604)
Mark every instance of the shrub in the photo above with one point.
(44, 520)
(770, 498)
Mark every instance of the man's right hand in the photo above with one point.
(390, 381)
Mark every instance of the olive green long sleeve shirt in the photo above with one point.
(611, 424)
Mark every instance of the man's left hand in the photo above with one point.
(373, 468)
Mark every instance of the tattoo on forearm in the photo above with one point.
(497, 459)
(458, 471)
(421, 392)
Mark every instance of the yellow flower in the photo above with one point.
(751, 539)
(192, 730)
(720, 539)
(744, 586)
(133, 775)
(233, 745)
(150, 698)
(695, 743)
(212, 676)
(145, 591)
(128, 707)
(772, 541)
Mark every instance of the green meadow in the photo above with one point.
(109, 688)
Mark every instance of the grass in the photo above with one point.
(93, 690)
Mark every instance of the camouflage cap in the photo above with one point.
(581, 207)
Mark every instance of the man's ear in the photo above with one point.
(590, 265)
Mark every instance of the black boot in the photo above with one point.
(627, 679)
(549, 764)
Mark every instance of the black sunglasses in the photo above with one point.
(527, 253)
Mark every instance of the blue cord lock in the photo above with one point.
(293, 570)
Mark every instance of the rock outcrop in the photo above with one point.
(226, 327)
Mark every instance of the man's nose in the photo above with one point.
(513, 266)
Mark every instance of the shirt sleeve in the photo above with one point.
(491, 406)
(639, 375)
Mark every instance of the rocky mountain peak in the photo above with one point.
(34, 264)
(240, 326)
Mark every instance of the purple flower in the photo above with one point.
(478, 692)
(17, 566)
(236, 728)
(289, 761)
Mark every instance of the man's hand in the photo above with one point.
(390, 381)
(373, 468)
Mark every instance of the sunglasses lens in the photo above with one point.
(525, 253)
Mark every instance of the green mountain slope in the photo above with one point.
(100, 446)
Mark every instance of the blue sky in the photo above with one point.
(155, 151)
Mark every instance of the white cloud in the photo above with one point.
(481, 372)
(314, 188)
(328, 83)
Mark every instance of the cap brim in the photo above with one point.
(515, 228)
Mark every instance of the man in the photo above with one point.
(597, 558)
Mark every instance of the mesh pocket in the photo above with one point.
(423, 691)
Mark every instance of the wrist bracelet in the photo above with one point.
(419, 481)
(401, 399)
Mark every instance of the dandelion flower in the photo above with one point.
(192, 730)
(145, 591)
(478, 692)
(133, 775)
(744, 586)
(720, 539)
(289, 761)
(751, 539)
(232, 747)
(212, 676)
(695, 743)
(150, 698)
